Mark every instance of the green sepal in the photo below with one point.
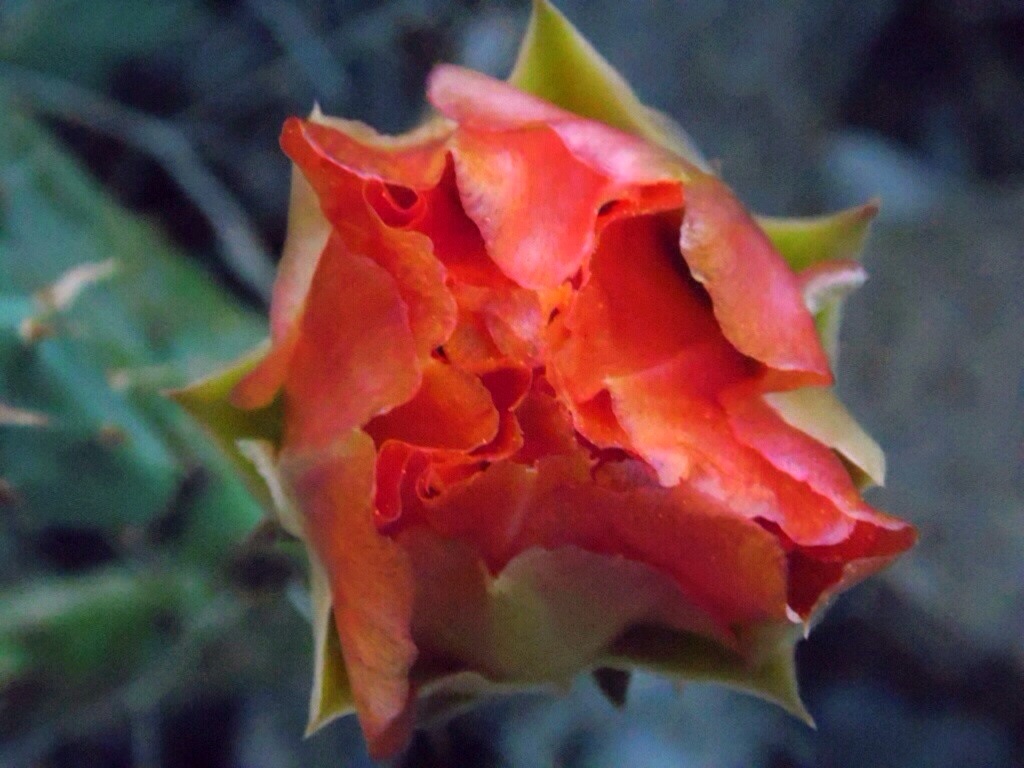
(807, 241)
(208, 402)
(558, 64)
(331, 696)
(763, 666)
(331, 692)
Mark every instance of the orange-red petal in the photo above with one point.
(546, 426)
(639, 308)
(451, 410)
(355, 356)
(479, 102)
(685, 435)
(415, 159)
(407, 255)
(729, 567)
(338, 162)
(818, 573)
(798, 455)
(371, 582)
(756, 297)
(533, 202)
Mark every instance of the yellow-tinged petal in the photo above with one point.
(818, 412)
(535, 622)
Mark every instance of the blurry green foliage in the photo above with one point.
(83, 39)
(70, 629)
(99, 366)
(104, 451)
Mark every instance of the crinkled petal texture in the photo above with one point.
(526, 362)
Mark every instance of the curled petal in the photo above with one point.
(546, 425)
(407, 255)
(456, 239)
(393, 460)
(471, 346)
(420, 278)
(596, 421)
(452, 410)
(756, 297)
(355, 357)
(537, 231)
(415, 159)
(476, 101)
(337, 162)
(798, 454)
(479, 102)
(508, 387)
(874, 539)
(638, 309)
(819, 573)
(687, 437)
(511, 316)
(730, 568)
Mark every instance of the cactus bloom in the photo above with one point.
(550, 399)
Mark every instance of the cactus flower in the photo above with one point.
(541, 396)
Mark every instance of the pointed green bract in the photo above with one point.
(559, 65)
(331, 696)
(824, 249)
(807, 241)
(207, 401)
(764, 667)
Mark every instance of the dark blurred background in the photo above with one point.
(143, 624)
